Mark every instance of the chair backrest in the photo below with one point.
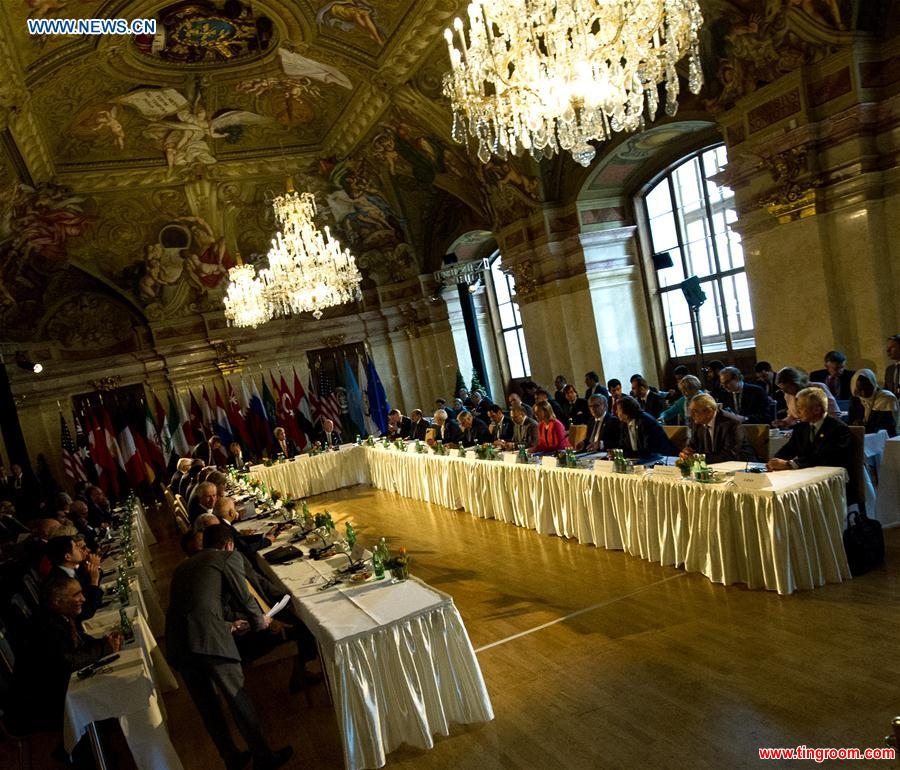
(678, 435)
(20, 607)
(7, 655)
(577, 434)
(32, 589)
(758, 438)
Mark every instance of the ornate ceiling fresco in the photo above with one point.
(135, 167)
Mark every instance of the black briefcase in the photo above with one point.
(863, 543)
(282, 554)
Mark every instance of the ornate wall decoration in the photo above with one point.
(793, 198)
(202, 32)
(228, 360)
(749, 43)
(525, 278)
(413, 322)
(352, 17)
(106, 383)
(89, 321)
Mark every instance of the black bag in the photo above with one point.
(282, 554)
(863, 543)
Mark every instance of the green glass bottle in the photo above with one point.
(126, 626)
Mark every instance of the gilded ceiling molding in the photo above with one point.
(412, 41)
(361, 113)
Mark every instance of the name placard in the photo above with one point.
(510, 457)
(470, 454)
(666, 470)
(604, 466)
(548, 461)
(744, 480)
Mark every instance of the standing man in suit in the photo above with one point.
(418, 425)
(717, 434)
(399, 426)
(211, 452)
(604, 429)
(834, 375)
(200, 645)
(744, 399)
(285, 444)
(818, 439)
(892, 373)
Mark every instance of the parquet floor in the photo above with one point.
(596, 659)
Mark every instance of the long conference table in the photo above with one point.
(783, 538)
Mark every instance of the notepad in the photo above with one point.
(282, 603)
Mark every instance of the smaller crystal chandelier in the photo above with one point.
(551, 75)
(307, 271)
(245, 303)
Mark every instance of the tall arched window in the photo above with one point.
(509, 320)
(688, 217)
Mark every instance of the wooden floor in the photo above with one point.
(596, 659)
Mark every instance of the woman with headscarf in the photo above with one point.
(875, 408)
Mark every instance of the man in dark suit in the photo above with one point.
(69, 557)
(835, 376)
(445, 429)
(200, 644)
(202, 500)
(642, 437)
(54, 647)
(329, 437)
(399, 426)
(817, 440)
(716, 434)
(574, 409)
(604, 429)
(744, 399)
(542, 395)
(472, 430)
(524, 429)
(211, 452)
(284, 444)
(650, 400)
(500, 428)
(594, 386)
(418, 425)
(892, 372)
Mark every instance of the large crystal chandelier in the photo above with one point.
(307, 271)
(245, 303)
(551, 75)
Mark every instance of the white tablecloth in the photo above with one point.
(305, 476)
(127, 693)
(397, 655)
(888, 505)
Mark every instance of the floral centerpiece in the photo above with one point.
(399, 564)
(684, 464)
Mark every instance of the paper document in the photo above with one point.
(282, 603)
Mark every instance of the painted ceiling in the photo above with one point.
(135, 167)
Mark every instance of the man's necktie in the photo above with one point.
(737, 402)
(595, 432)
(703, 438)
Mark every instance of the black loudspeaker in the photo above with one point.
(662, 260)
(694, 295)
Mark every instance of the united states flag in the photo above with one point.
(329, 406)
(71, 461)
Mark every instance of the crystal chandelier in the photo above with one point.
(551, 75)
(307, 270)
(245, 303)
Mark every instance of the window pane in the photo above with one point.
(526, 364)
(507, 317)
(511, 340)
(701, 219)
(511, 336)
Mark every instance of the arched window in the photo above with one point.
(687, 219)
(509, 320)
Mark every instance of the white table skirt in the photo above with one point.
(306, 476)
(126, 693)
(782, 539)
(397, 655)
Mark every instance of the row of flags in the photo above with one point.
(143, 448)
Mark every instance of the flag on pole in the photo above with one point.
(71, 461)
(314, 404)
(302, 411)
(221, 425)
(288, 412)
(328, 400)
(236, 419)
(195, 419)
(154, 449)
(256, 419)
(354, 399)
(378, 405)
(176, 428)
(269, 405)
(371, 426)
(209, 420)
(130, 458)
